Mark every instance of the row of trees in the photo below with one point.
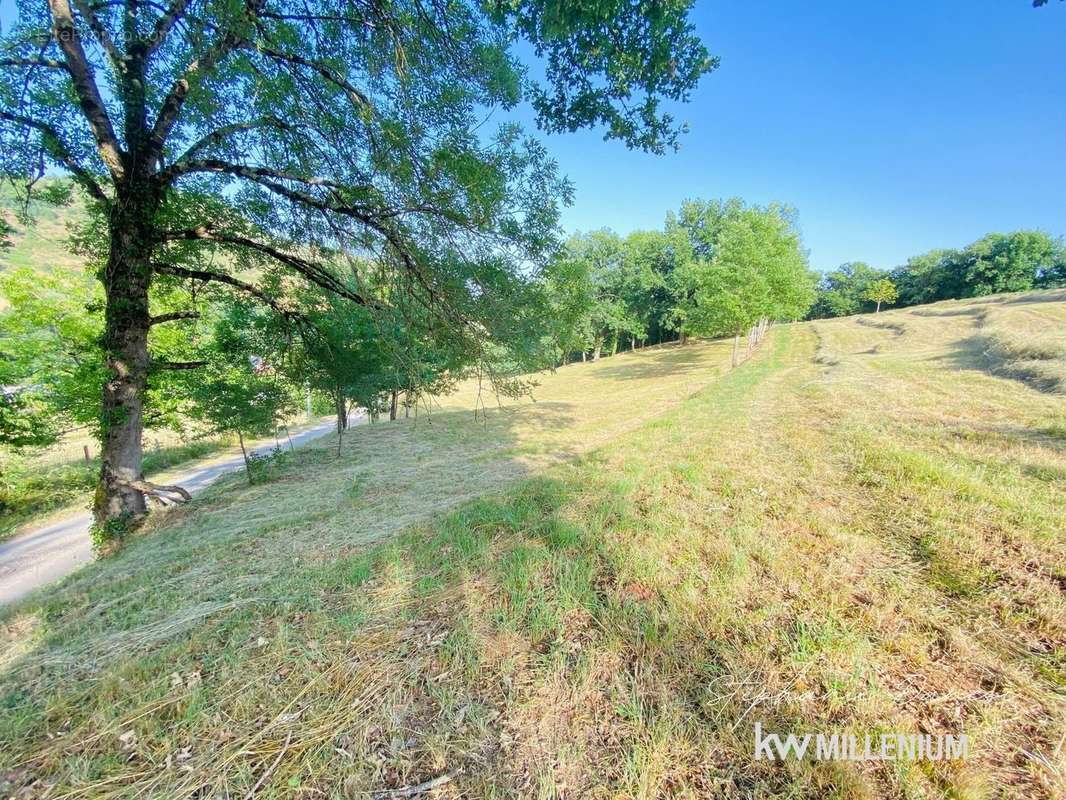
(319, 159)
(998, 262)
(238, 364)
(717, 268)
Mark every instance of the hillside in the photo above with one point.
(598, 593)
(42, 245)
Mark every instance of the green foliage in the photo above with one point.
(843, 291)
(998, 262)
(25, 421)
(50, 337)
(881, 291)
(1012, 262)
(748, 264)
(239, 391)
(716, 267)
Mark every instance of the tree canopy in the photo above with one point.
(254, 145)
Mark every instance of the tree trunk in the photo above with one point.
(632, 343)
(682, 338)
(582, 356)
(126, 279)
(736, 347)
(247, 466)
(878, 309)
(393, 405)
(342, 410)
(614, 345)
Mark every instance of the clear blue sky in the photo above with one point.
(892, 127)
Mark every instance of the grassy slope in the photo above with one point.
(42, 245)
(860, 529)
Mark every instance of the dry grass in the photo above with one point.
(870, 541)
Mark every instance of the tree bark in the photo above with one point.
(342, 410)
(393, 405)
(878, 309)
(736, 347)
(126, 278)
(247, 466)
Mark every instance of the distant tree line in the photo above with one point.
(999, 262)
(717, 268)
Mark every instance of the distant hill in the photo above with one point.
(42, 244)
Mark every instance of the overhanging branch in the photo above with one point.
(315, 273)
(178, 365)
(60, 152)
(220, 277)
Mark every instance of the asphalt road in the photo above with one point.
(36, 558)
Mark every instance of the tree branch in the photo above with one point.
(315, 273)
(49, 63)
(60, 152)
(102, 36)
(220, 277)
(356, 96)
(178, 364)
(175, 99)
(164, 24)
(218, 136)
(173, 316)
(178, 169)
(92, 105)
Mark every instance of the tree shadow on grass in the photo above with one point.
(236, 543)
(979, 353)
(671, 360)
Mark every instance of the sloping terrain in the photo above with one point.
(859, 530)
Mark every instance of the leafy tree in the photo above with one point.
(842, 292)
(747, 265)
(169, 117)
(930, 277)
(239, 391)
(570, 298)
(997, 262)
(1009, 262)
(649, 260)
(596, 260)
(881, 291)
(50, 340)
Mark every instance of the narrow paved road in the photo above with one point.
(35, 558)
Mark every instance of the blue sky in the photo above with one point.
(893, 127)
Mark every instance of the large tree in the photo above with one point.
(245, 143)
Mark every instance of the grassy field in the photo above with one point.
(859, 530)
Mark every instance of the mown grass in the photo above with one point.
(870, 543)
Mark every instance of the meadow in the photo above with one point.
(597, 591)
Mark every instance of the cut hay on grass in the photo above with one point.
(656, 555)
